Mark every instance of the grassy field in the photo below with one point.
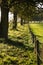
(19, 49)
(38, 31)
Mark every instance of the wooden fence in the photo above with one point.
(37, 49)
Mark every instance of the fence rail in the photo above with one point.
(37, 49)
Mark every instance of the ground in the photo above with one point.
(19, 49)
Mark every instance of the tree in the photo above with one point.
(15, 20)
(21, 20)
(4, 19)
(23, 7)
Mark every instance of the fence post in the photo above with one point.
(38, 52)
(33, 36)
(34, 39)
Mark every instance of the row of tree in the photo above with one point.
(24, 9)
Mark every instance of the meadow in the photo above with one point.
(19, 49)
(37, 29)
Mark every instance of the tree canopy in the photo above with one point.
(24, 8)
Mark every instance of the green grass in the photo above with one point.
(38, 31)
(19, 49)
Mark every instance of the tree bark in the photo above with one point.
(4, 20)
(21, 21)
(0, 29)
(15, 20)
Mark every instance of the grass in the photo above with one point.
(38, 31)
(19, 49)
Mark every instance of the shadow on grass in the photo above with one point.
(16, 43)
(19, 45)
(39, 36)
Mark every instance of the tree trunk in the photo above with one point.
(21, 21)
(0, 30)
(24, 21)
(4, 20)
(15, 20)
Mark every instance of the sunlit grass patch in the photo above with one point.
(20, 33)
(38, 31)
